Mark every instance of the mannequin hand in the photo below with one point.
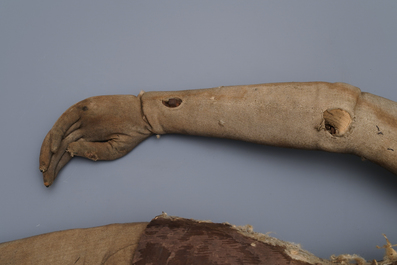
(98, 128)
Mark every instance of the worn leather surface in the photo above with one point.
(175, 241)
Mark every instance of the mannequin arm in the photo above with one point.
(333, 117)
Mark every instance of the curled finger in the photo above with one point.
(75, 126)
(62, 125)
(45, 153)
(49, 179)
(56, 162)
(109, 150)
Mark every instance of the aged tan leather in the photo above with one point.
(334, 117)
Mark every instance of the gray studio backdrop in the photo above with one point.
(56, 53)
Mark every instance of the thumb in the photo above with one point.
(109, 150)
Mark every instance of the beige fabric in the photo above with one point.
(111, 244)
(334, 117)
(117, 243)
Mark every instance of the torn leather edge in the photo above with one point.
(292, 251)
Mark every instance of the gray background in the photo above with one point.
(56, 53)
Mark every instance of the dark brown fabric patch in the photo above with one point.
(182, 241)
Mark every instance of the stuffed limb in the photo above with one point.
(170, 240)
(334, 117)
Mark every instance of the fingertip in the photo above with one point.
(48, 179)
(43, 167)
